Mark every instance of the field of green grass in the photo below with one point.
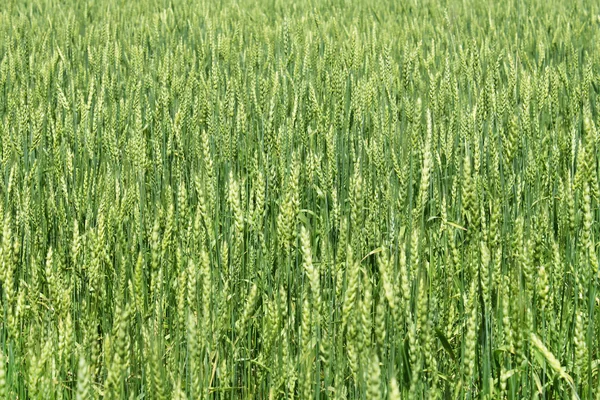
(257, 199)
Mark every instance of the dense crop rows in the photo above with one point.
(327, 200)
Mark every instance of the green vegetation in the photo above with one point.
(321, 200)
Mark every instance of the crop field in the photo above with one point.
(263, 199)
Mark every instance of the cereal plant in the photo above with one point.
(263, 199)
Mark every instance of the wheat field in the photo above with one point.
(258, 199)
